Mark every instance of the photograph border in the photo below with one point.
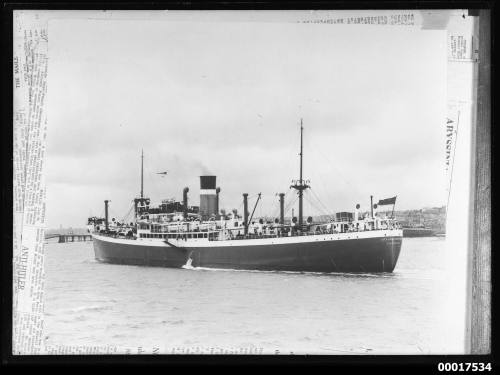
(480, 300)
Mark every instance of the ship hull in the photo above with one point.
(137, 253)
(372, 255)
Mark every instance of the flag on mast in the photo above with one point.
(387, 201)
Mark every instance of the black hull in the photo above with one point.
(373, 255)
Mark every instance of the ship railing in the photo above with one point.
(227, 234)
(115, 234)
(221, 234)
(297, 233)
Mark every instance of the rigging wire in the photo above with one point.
(310, 199)
(313, 205)
(118, 218)
(288, 163)
(276, 211)
(290, 208)
(327, 211)
(290, 205)
(332, 165)
(127, 216)
(315, 174)
(239, 209)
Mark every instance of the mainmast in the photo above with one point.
(301, 131)
(300, 185)
(142, 174)
(141, 199)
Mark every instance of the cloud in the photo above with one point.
(227, 99)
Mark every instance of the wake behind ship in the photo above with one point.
(177, 235)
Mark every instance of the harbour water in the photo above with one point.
(160, 310)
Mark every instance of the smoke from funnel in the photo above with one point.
(203, 170)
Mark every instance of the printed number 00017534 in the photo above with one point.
(467, 366)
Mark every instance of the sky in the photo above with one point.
(227, 99)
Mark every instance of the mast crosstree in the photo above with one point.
(141, 201)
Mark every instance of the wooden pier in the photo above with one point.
(70, 237)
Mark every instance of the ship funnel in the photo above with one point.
(371, 205)
(217, 191)
(245, 212)
(282, 208)
(106, 217)
(185, 202)
(208, 197)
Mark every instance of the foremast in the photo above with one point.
(300, 185)
(141, 204)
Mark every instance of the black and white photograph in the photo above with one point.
(243, 182)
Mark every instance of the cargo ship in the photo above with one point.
(177, 235)
(418, 231)
(415, 226)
